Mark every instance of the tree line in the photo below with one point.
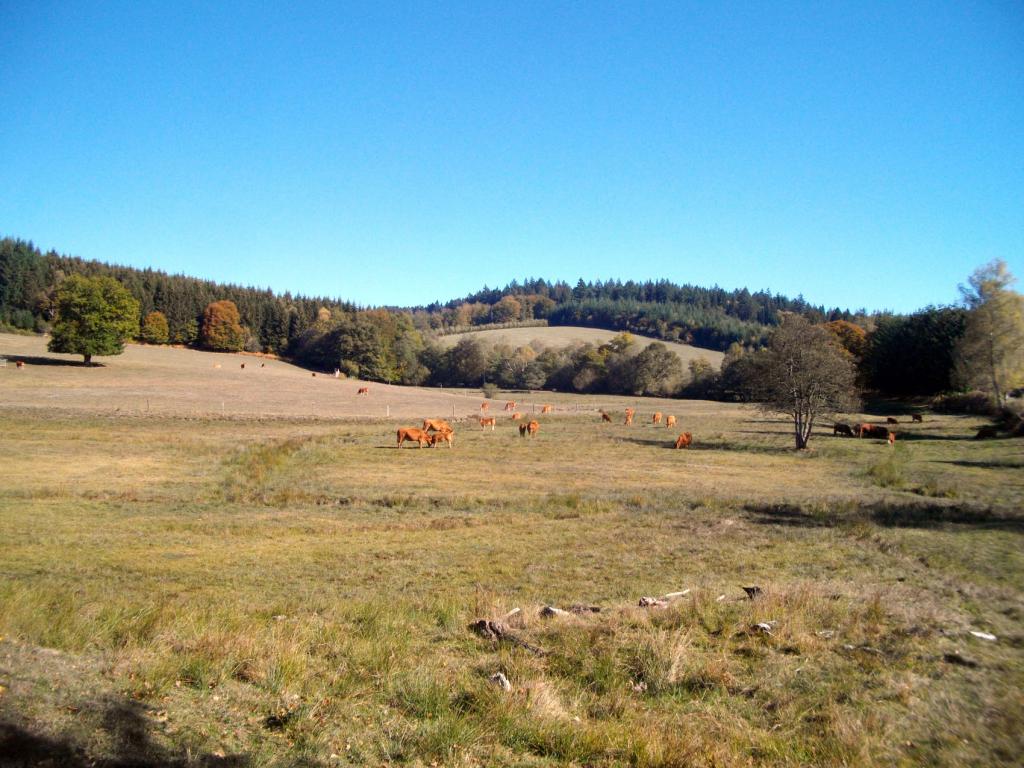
(922, 353)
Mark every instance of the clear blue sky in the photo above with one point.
(863, 154)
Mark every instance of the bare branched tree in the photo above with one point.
(804, 374)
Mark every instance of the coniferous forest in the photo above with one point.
(896, 354)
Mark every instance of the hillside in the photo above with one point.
(171, 381)
(561, 336)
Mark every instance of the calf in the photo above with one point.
(842, 429)
(605, 417)
(363, 391)
(441, 437)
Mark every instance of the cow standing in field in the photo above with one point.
(545, 409)
(533, 427)
(413, 435)
(605, 417)
(484, 405)
(670, 421)
(488, 422)
(363, 391)
(19, 364)
(441, 437)
(436, 425)
(892, 438)
(516, 416)
(243, 366)
(842, 429)
(684, 440)
(510, 405)
(917, 418)
(629, 416)
(656, 418)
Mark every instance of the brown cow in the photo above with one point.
(917, 418)
(243, 366)
(670, 421)
(842, 429)
(510, 405)
(545, 409)
(891, 420)
(363, 391)
(522, 430)
(441, 437)
(263, 365)
(629, 416)
(605, 417)
(19, 364)
(516, 416)
(684, 440)
(656, 418)
(436, 425)
(872, 430)
(987, 432)
(488, 422)
(413, 435)
(533, 427)
(892, 438)
(484, 406)
(314, 375)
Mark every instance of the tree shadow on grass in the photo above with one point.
(33, 360)
(669, 442)
(994, 464)
(892, 514)
(132, 745)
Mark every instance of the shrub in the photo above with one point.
(977, 403)
(490, 390)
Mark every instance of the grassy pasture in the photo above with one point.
(289, 591)
(561, 336)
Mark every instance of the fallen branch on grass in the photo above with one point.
(495, 630)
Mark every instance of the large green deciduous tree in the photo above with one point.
(805, 374)
(95, 316)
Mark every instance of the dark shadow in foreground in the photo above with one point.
(12, 359)
(133, 747)
(888, 513)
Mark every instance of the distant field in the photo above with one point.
(181, 588)
(560, 336)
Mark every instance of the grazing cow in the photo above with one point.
(892, 437)
(441, 437)
(917, 418)
(314, 375)
(516, 416)
(605, 417)
(436, 425)
(545, 409)
(263, 365)
(484, 406)
(891, 420)
(19, 364)
(656, 418)
(243, 366)
(842, 429)
(413, 435)
(872, 430)
(987, 432)
(684, 440)
(533, 427)
(510, 405)
(488, 422)
(363, 391)
(629, 416)
(522, 430)
(670, 421)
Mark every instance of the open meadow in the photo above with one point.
(278, 585)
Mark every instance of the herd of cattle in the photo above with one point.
(437, 431)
